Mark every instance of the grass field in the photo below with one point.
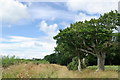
(107, 67)
(54, 71)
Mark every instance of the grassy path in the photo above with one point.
(52, 71)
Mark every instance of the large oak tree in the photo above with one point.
(89, 37)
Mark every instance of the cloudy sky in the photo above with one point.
(27, 28)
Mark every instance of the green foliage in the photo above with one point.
(91, 60)
(113, 55)
(52, 58)
(8, 61)
(40, 62)
(88, 37)
(73, 65)
(59, 58)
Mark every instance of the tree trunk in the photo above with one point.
(83, 63)
(100, 62)
(79, 63)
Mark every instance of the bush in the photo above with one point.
(7, 61)
(73, 65)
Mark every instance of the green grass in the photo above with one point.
(107, 67)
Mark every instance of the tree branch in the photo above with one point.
(87, 51)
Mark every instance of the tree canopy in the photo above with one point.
(89, 37)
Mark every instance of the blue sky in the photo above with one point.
(28, 27)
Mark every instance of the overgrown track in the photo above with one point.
(52, 71)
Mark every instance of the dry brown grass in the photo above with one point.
(52, 71)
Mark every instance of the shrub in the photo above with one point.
(7, 61)
(73, 65)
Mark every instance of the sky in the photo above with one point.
(27, 28)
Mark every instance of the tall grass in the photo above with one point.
(38, 68)
(12, 60)
(52, 71)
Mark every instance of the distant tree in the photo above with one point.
(52, 58)
(114, 52)
(59, 58)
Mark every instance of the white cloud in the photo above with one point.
(21, 39)
(2, 39)
(48, 12)
(65, 24)
(50, 30)
(83, 17)
(29, 48)
(93, 6)
(12, 11)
